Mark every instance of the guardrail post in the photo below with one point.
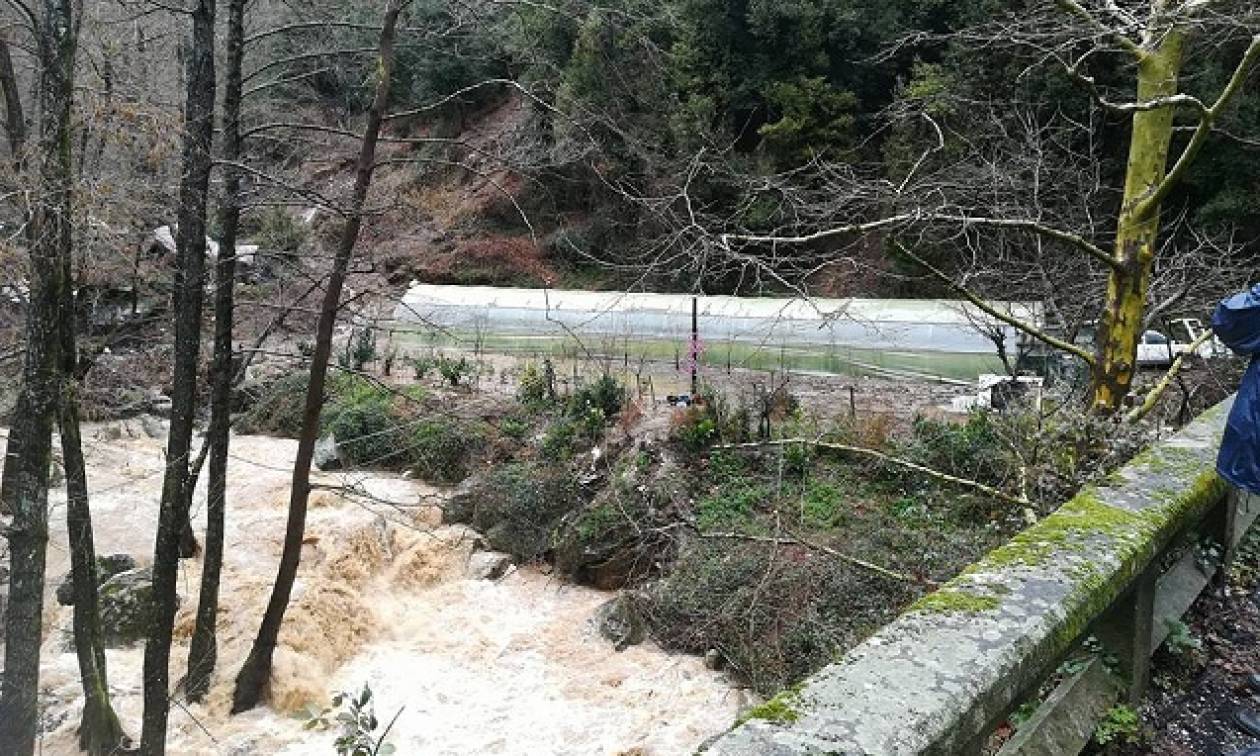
(1127, 631)
(1222, 527)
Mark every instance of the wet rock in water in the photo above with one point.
(488, 565)
(162, 405)
(713, 659)
(127, 607)
(153, 427)
(107, 566)
(111, 432)
(620, 622)
(327, 457)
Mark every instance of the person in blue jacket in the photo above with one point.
(1237, 324)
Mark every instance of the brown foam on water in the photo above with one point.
(325, 627)
(504, 667)
(424, 558)
(330, 617)
(358, 558)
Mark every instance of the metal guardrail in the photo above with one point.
(1117, 563)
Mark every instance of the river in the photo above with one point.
(512, 666)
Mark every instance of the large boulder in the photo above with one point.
(127, 607)
(616, 539)
(515, 506)
(327, 454)
(107, 566)
(620, 622)
(488, 565)
(604, 544)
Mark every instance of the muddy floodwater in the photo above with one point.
(512, 666)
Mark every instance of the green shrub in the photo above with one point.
(973, 450)
(356, 723)
(277, 407)
(368, 432)
(591, 424)
(608, 543)
(1180, 638)
(274, 229)
(605, 394)
(775, 615)
(440, 450)
(516, 506)
(454, 371)
(421, 366)
(359, 349)
(1121, 724)
(693, 428)
(537, 386)
(797, 459)
(732, 424)
(514, 428)
(561, 438)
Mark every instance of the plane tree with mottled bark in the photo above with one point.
(973, 203)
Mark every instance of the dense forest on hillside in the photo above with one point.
(591, 118)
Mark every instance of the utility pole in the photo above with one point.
(695, 346)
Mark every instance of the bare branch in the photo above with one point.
(1078, 10)
(1156, 394)
(889, 459)
(796, 540)
(1159, 192)
(1010, 320)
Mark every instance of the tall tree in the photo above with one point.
(100, 732)
(14, 116)
(24, 484)
(203, 652)
(256, 670)
(189, 288)
(1159, 54)
(974, 203)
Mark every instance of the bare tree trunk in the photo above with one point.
(257, 667)
(15, 129)
(14, 117)
(24, 484)
(203, 652)
(1137, 227)
(189, 284)
(100, 732)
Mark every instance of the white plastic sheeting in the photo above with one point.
(881, 324)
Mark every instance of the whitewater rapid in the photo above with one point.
(511, 666)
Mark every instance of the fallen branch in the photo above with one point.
(1157, 393)
(796, 540)
(888, 458)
